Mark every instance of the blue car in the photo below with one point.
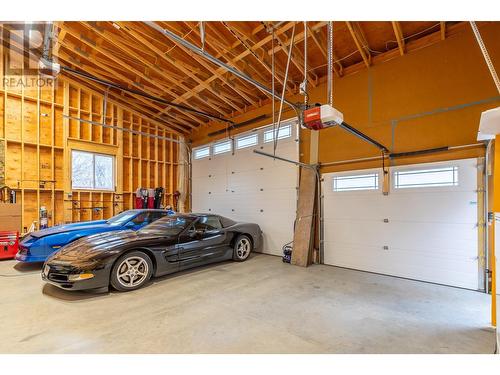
(37, 246)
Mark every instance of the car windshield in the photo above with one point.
(122, 218)
(167, 226)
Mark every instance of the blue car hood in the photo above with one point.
(97, 224)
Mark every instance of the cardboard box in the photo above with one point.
(10, 217)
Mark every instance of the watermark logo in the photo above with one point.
(27, 55)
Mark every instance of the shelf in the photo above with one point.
(41, 145)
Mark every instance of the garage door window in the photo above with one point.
(247, 141)
(284, 132)
(222, 147)
(356, 182)
(201, 153)
(426, 178)
(92, 171)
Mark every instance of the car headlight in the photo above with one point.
(80, 276)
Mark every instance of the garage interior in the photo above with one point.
(388, 207)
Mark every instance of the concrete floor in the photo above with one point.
(259, 306)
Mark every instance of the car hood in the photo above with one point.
(98, 246)
(97, 224)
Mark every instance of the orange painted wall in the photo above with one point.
(428, 98)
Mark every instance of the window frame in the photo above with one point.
(94, 188)
(270, 130)
(227, 141)
(208, 147)
(247, 136)
(359, 174)
(454, 169)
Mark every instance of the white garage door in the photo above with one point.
(231, 180)
(424, 229)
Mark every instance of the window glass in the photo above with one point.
(201, 153)
(426, 177)
(284, 132)
(92, 171)
(103, 172)
(210, 222)
(157, 215)
(121, 218)
(355, 182)
(82, 174)
(141, 218)
(221, 147)
(246, 141)
(167, 226)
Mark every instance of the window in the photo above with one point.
(157, 215)
(426, 177)
(356, 182)
(167, 226)
(92, 171)
(246, 141)
(201, 153)
(221, 147)
(142, 218)
(284, 132)
(207, 224)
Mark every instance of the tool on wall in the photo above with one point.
(158, 199)
(44, 219)
(176, 196)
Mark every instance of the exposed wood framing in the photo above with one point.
(361, 48)
(396, 26)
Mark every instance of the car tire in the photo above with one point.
(243, 246)
(131, 271)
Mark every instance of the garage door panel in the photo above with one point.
(401, 263)
(444, 206)
(430, 235)
(270, 178)
(357, 232)
(248, 187)
(351, 207)
(431, 232)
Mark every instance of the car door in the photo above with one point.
(204, 242)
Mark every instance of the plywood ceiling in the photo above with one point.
(135, 55)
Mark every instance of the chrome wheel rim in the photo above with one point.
(243, 248)
(132, 272)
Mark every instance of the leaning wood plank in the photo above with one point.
(303, 236)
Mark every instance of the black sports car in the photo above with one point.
(127, 259)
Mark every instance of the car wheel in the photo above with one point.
(131, 271)
(242, 248)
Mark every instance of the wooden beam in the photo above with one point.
(296, 52)
(180, 99)
(124, 78)
(443, 30)
(113, 39)
(243, 38)
(90, 70)
(411, 46)
(298, 37)
(361, 50)
(240, 57)
(130, 68)
(303, 238)
(396, 26)
(322, 49)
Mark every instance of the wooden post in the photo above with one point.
(303, 236)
